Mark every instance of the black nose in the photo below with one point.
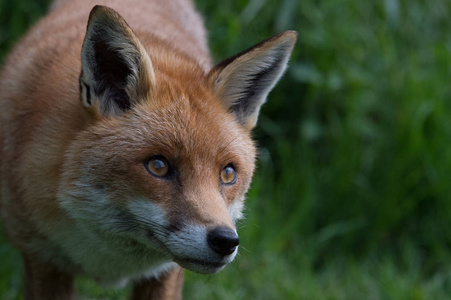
(223, 240)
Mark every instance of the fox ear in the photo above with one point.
(116, 70)
(243, 82)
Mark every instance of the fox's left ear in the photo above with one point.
(243, 82)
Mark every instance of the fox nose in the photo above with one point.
(223, 240)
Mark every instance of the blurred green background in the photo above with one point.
(352, 196)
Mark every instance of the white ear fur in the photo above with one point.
(116, 70)
(243, 82)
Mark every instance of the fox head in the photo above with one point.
(166, 158)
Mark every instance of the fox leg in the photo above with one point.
(168, 286)
(44, 281)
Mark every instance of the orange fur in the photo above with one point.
(62, 161)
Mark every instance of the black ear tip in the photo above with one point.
(100, 8)
(97, 9)
(100, 12)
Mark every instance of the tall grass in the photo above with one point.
(352, 197)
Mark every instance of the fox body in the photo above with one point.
(125, 154)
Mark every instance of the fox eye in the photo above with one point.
(157, 166)
(228, 175)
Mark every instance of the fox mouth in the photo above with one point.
(192, 264)
(200, 266)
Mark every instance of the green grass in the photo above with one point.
(352, 198)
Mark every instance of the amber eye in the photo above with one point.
(158, 166)
(228, 175)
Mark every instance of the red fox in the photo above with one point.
(125, 154)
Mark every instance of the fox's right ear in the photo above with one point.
(243, 82)
(117, 72)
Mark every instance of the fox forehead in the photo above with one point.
(179, 126)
